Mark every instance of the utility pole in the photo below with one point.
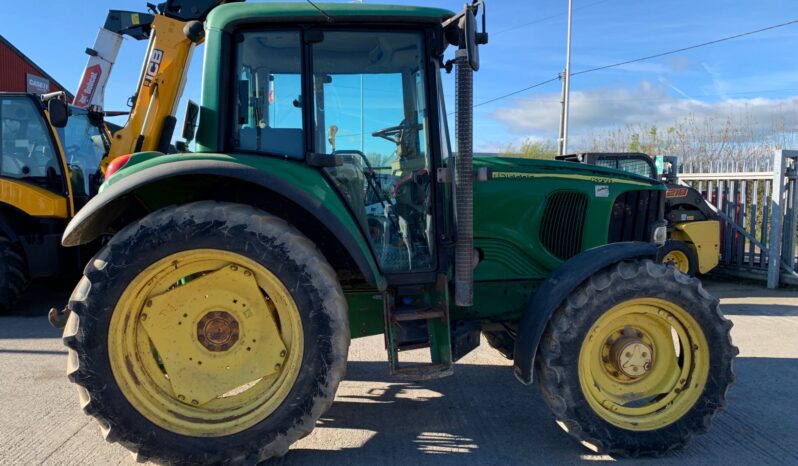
(566, 90)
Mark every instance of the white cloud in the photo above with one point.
(599, 109)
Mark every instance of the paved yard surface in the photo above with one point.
(481, 415)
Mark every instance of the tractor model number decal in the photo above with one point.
(592, 179)
(676, 192)
(602, 190)
(156, 57)
(513, 175)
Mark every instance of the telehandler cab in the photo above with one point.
(54, 156)
(49, 168)
(324, 202)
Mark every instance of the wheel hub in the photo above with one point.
(223, 313)
(217, 331)
(632, 357)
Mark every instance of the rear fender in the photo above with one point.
(106, 207)
(556, 288)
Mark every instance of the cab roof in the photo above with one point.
(231, 15)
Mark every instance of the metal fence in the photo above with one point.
(756, 202)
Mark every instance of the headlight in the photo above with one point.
(659, 235)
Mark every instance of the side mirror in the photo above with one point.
(190, 121)
(58, 111)
(468, 26)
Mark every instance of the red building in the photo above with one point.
(18, 73)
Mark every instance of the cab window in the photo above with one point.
(370, 112)
(27, 148)
(84, 149)
(269, 93)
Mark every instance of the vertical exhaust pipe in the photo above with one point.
(464, 182)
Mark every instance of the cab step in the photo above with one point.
(417, 317)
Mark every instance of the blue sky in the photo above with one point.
(756, 73)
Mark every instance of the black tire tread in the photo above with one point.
(14, 278)
(567, 402)
(302, 249)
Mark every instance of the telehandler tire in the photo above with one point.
(208, 333)
(13, 274)
(680, 255)
(637, 360)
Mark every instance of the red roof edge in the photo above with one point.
(44, 74)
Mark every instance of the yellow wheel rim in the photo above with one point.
(679, 260)
(643, 364)
(205, 343)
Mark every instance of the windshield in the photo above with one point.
(83, 150)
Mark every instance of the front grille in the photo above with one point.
(633, 214)
(563, 223)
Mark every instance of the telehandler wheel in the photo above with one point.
(680, 255)
(207, 333)
(13, 274)
(637, 360)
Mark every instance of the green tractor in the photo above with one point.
(324, 202)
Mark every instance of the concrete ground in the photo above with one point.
(481, 415)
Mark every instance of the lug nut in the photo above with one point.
(181, 397)
(149, 303)
(233, 268)
(194, 402)
(282, 353)
(277, 367)
(144, 317)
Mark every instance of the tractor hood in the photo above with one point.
(535, 214)
(522, 168)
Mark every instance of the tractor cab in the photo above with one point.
(368, 120)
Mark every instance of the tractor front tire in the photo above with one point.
(680, 255)
(13, 274)
(222, 284)
(637, 360)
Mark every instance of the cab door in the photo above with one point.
(31, 170)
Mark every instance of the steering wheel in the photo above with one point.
(372, 182)
(394, 133)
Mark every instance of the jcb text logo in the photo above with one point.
(156, 57)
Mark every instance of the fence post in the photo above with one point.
(788, 252)
(776, 219)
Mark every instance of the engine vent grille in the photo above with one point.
(633, 215)
(563, 223)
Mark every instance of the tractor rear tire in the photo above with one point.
(239, 244)
(658, 394)
(13, 274)
(680, 255)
